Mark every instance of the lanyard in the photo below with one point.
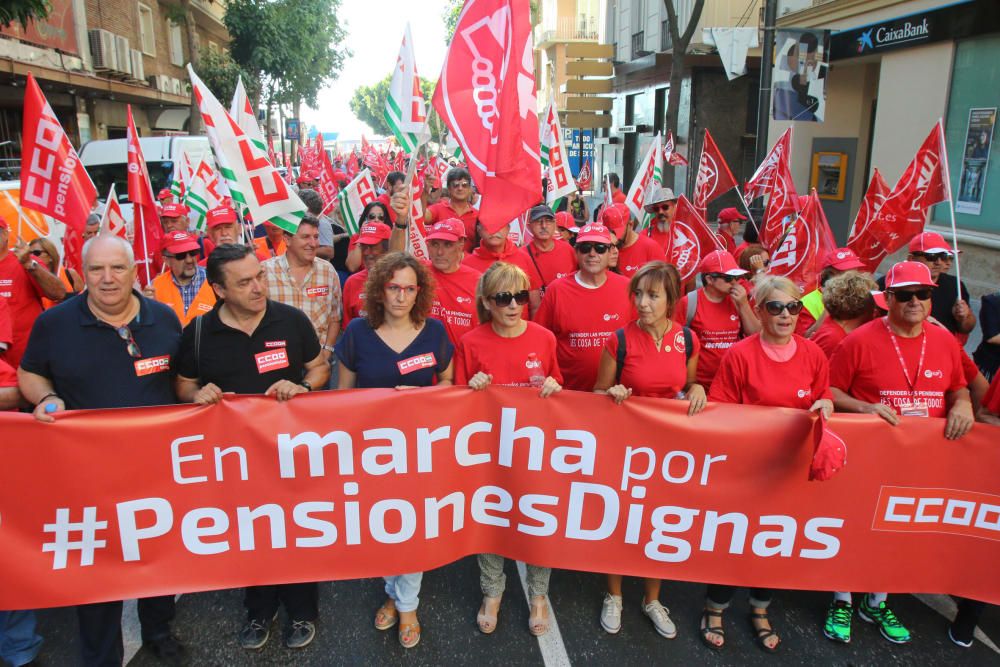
(912, 386)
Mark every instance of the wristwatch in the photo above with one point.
(329, 348)
(400, 226)
(308, 386)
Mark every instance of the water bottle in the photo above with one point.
(535, 376)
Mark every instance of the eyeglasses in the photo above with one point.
(906, 295)
(585, 247)
(459, 184)
(375, 216)
(544, 222)
(37, 253)
(126, 335)
(775, 307)
(503, 299)
(934, 256)
(723, 276)
(661, 208)
(184, 255)
(396, 290)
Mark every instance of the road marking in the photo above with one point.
(551, 643)
(945, 605)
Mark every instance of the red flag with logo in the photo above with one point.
(670, 155)
(865, 241)
(714, 178)
(585, 179)
(53, 180)
(113, 222)
(782, 205)
(486, 96)
(800, 255)
(690, 239)
(327, 182)
(776, 159)
(145, 218)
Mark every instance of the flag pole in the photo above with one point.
(739, 196)
(145, 245)
(951, 208)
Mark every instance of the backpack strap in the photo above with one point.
(692, 306)
(620, 357)
(687, 344)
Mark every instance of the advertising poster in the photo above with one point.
(801, 64)
(292, 129)
(975, 160)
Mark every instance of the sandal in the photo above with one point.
(386, 616)
(763, 634)
(707, 629)
(538, 620)
(488, 622)
(409, 634)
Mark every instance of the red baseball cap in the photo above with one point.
(594, 232)
(929, 242)
(614, 219)
(340, 175)
(450, 229)
(730, 215)
(909, 274)
(842, 259)
(174, 211)
(305, 177)
(165, 193)
(720, 261)
(879, 299)
(176, 242)
(565, 220)
(220, 215)
(373, 233)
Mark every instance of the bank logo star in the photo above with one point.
(865, 40)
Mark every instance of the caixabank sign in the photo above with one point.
(962, 19)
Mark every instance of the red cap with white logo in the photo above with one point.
(177, 242)
(909, 274)
(720, 261)
(929, 242)
(615, 219)
(451, 229)
(174, 211)
(373, 233)
(842, 259)
(165, 193)
(596, 233)
(220, 215)
(565, 220)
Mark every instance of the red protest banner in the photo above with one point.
(339, 485)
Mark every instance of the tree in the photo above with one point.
(220, 72)
(368, 104)
(23, 11)
(677, 65)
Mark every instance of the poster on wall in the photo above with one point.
(801, 64)
(975, 160)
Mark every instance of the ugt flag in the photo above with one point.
(354, 197)
(405, 109)
(804, 246)
(714, 177)
(486, 97)
(865, 241)
(53, 181)
(554, 165)
(690, 239)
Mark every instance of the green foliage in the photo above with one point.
(368, 103)
(220, 72)
(23, 11)
(292, 46)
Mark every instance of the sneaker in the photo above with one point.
(255, 633)
(838, 622)
(167, 650)
(887, 623)
(299, 634)
(611, 613)
(660, 616)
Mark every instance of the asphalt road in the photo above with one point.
(208, 623)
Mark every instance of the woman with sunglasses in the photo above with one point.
(376, 212)
(374, 352)
(657, 357)
(47, 255)
(774, 367)
(508, 351)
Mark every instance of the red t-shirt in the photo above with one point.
(482, 258)
(650, 372)
(718, 327)
(828, 335)
(8, 376)
(6, 325)
(582, 318)
(969, 368)
(805, 321)
(633, 257)
(728, 242)
(455, 301)
(24, 298)
(443, 210)
(866, 367)
(553, 264)
(661, 239)
(512, 362)
(354, 297)
(618, 197)
(739, 250)
(748, 376)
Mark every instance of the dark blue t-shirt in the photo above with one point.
(89, 364)
(377, 365)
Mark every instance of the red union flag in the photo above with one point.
(670, 155)
(327, 184)
(865, 241)
(760, 183)
(585, 179)
(714, 178)
(486, 96)
(690, 239)
(53, 181)
(800, 256)
(782, 205)
(147, 231)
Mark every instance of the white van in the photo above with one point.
(106, 161)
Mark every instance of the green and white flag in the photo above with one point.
(353, 198)
(242, 112)
(181, 178)
(647, 179)
(555, 163)
(405, 109)
(203, 194)
(452, 148)
(253, 182)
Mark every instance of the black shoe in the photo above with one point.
(255, 633)
(299, 634)
(167, 650)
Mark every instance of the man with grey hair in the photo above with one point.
(661, 205)
(108, 347)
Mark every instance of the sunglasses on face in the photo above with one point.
(663, 208)
(37, 253)
(459, 184)
(906, 295)
(376, 216)
(184, 255)
(126, 335)
(585, 247)
(723, 276)
(395, 290)
(933, 256)
(775, 307)
(503, 299)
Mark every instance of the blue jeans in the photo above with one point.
(404, 589)
(18, 642)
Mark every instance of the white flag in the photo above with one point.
(204, 194)
(405, 108)
(649, 177)
(555, 164)
(354, 197)
(243, 113)
(113, 222)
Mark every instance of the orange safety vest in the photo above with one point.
(166, 292)
(263, 250)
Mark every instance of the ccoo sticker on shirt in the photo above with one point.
(271, 360)
(416, 363)
(152, 365)
(313, 292)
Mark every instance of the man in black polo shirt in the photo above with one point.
(109, 347)
(252, 345)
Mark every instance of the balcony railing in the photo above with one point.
(579, 28)
(665, 42)
(638, 44)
